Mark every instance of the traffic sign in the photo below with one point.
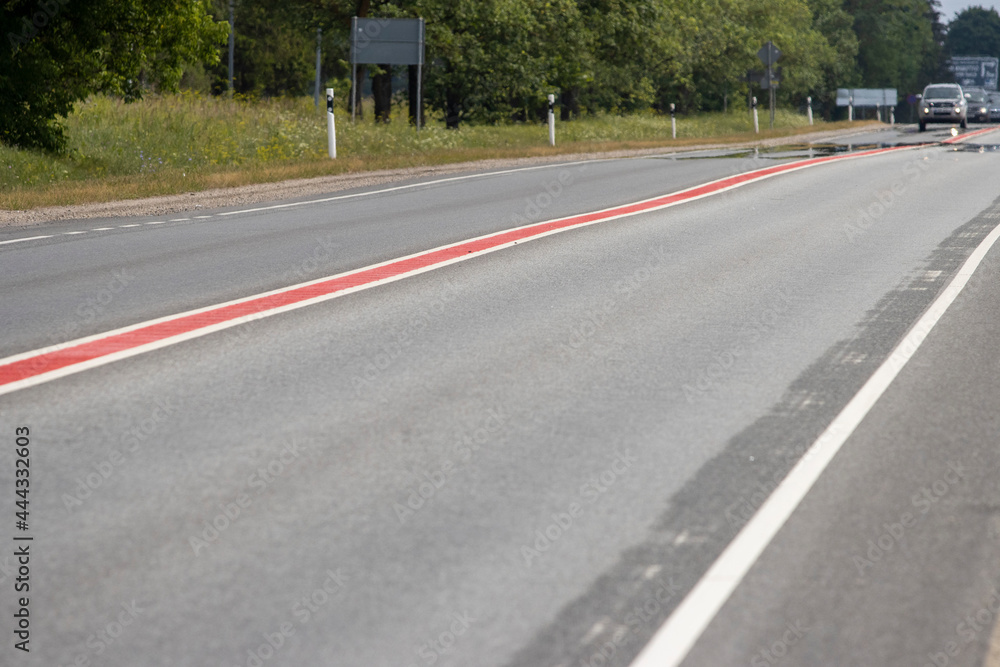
(769, 53)
(772, 81)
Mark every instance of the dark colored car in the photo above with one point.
(993, 100)
(943, 103)
(979, 108)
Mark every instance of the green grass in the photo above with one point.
(185, 142)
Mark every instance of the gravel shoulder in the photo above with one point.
(291, 189)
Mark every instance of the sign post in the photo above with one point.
(769, 55)
(387, 42)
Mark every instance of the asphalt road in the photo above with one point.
(527, 458)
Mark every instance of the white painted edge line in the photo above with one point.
(678, 635)
(408, 186)
(29, 238)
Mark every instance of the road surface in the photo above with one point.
(533, 455)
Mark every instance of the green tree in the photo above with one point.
(57, 52)
(974, 32)
(896, 45)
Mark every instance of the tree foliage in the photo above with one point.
(974, 32)
(57, 52)
(486, 60)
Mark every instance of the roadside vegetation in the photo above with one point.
(167, 144)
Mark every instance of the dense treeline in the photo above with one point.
(488, 60)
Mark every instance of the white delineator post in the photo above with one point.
(809, 109)
(756, 123)
(552, 120)
(330, 128)
(850, 108)
(673, 120)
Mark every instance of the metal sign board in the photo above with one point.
(387, 41)
(867, 97)
(975, 71)
(769, 53)
(771, 82)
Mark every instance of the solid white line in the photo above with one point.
(396, 188)
(29, 238)
(678, 635)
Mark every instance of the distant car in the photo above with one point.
(993, 100)
(943, 103)
(979, 109)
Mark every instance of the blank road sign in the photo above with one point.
(387, 41)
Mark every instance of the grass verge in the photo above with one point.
(184, 143)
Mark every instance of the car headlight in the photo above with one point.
(982, 110)
(958, 109)
(926, 110)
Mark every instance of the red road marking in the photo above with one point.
(28, 369)
(969, 135)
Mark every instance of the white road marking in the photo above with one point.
(101, 229)
(69, 233)
(678, 635)
(155, 222)
(29, 238)
(127, 226)
(396, 188)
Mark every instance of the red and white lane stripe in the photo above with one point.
(49, 363)
(968, 135)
